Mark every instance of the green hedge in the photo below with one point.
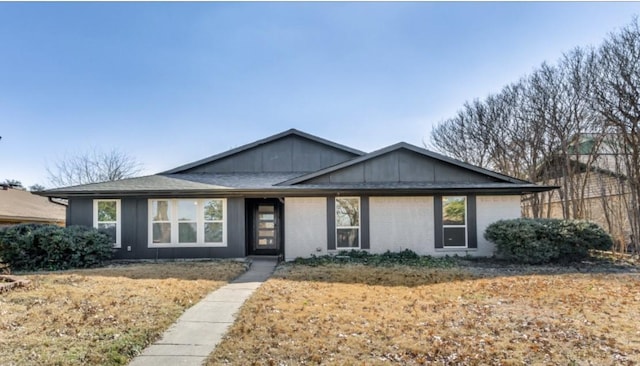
(537, 241)
(406, 257)
(36, 247)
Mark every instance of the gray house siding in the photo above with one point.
(80, 212)
(135, 227)
(402, 166)
(288, 154)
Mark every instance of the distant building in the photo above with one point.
(600, 181)
(18, 206)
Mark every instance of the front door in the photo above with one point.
(266, 233)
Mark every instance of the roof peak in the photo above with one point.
(278, 136)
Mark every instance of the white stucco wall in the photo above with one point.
(490, 209)
(395, 224)
(305, 228)
(399, 223)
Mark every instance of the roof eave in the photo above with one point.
(280, 191)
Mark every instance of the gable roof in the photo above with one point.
(17, 205)
(287, 133)
(397, 147)
(398, 169)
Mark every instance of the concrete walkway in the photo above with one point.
(199, 330)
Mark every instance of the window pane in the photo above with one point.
(187, 232)
(187, 210)
(213, 210)
(347, 212)
(107, 211)
(264, 216)
(454, 236)
(109, 229)
(162, 232)
(213, 232)
(266, 208)
(161, 211)
(266, 225)
(453, 211)
(347, 238)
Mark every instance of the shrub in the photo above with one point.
(50, 247)
(537, 241)
(388, 258)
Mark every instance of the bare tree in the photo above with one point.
(13, 183)
(93, 167)
(617, 99)
(36, 188)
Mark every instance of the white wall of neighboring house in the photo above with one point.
(490, 209)
(305, 229)
(399, 223)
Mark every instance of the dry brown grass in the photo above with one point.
(359, 315)
(101, 316)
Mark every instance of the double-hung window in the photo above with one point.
(347, 222)
(454, 221)
(106, 218)
(187, 222)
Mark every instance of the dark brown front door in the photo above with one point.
(266, 233)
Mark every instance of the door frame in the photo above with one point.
(251, 209)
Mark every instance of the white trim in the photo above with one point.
(465, 226)
(348, 227)
(118, 222)
(174, 222)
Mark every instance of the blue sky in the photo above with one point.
(170, 83)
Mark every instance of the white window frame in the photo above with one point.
(359, 227)
(465, 226)
(118, 222)
(200, 224)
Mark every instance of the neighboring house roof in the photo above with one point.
(17, 205)
(288, 133)
(398, 169)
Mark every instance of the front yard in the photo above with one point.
(355, 314)
(101, 316)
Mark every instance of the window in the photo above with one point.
(454, 222)
(347, 222)
(187, 222)
(106, 218)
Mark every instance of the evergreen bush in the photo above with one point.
(29, 247)
(537, 241)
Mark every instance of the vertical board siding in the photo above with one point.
(236, 238)
(472, 231)
(288, 154)
(437, 213)
(331, 223)
(81, 212)
(364, 223)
